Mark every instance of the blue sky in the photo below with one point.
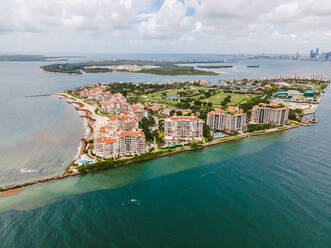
(164, 26)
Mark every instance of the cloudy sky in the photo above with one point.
(164, 26)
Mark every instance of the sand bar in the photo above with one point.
(11, 192)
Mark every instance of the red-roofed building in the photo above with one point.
(183, 128)
(106, 147)
(125, 143)
(130, 125)
(231, 120)
(140, 114)
(154, 107)
(132, 143)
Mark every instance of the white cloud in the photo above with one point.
(64, 15)
(169, 21)
(177, 25)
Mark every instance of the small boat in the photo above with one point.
(314, 120)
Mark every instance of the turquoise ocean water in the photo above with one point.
(272, 191)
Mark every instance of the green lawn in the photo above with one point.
(158, 98)
(235, 98)
(215, 100)
(318, 85)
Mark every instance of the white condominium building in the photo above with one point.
(269, 114)
(121, 136)
(106, 147)
(141, 114)
(231, 120)
(187, 128)
(123, 144)
(129, 125)
(114, 107)
(132, 143)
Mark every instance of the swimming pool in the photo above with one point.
(219, 135)
(85, 161)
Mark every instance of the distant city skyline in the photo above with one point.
(165, 26)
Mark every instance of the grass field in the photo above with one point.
(216, 100)
(235, 98)
(158, 98)
(318, 86)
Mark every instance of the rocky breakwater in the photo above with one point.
(37, 181)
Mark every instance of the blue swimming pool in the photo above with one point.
(219, 135)
(85, 161)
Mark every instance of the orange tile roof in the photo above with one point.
(104, 128)
(140, 111)
(131, 122)
(184, 118)
(231, 110)
(109, 140)
(130, 133)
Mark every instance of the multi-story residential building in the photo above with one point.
(183, 128)
(121, 136)
(137, 106)
(131, 143)
(83, 93)
(122, 144)
(129, 125)
(319, 77)
(141, 114)
(106, 147)
(114, 107)
(231, 120)
(103, 96)
(269, 114)
(105, 106)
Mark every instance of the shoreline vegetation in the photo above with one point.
(130, 66)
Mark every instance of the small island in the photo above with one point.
(25, 58)
(134, 122)
(131, 66)
(214, 66)
(156, 120)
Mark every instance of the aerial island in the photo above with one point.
(214, 66)
(21, 58)
(131, 66)
(132, 122)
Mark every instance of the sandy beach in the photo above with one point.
(92, 122)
